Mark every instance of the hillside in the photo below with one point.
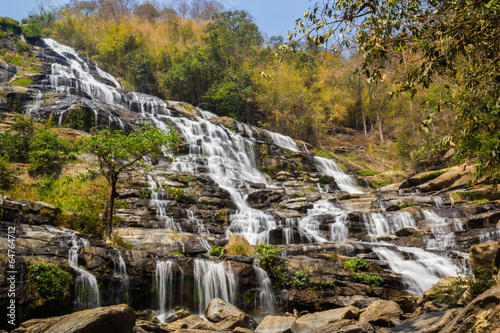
(305, 245)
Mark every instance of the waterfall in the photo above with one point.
(266, 295)
(343, 180)
(86, 289)
(422, 272)
(121, 277)
(164, 287)
(283, 141)
(442, 229)
(158, 200)
(379, 225)
(311, 222)
(212, 280)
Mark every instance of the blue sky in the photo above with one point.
(274, 17)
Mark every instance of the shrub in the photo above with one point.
(9, 25)
(355, 265)
(5, 176)
(51, 282)
(47, 151)
(300, 279)
(239, 250)
(271, 261)
(215, 251)
(365, 172)
(369, 279)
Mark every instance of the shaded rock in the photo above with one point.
(265, 197)
(176, 316)
(358, 328)
(315, 320)
(228, 316)
(409, 231)
(239, 246)
(147, 326)
(277, 324)
(381, 313)
(481, 315)
(118, 318)
(419, 324)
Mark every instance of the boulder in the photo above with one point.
(482, 256)
(117, 318)
(238, 246)
(381, 313)
(315, 320)
(177, 316)
(423, 323)
(482, 315)
(336, 326)
(457, 176)
(277, 324)
(192, 322)
(228, 316)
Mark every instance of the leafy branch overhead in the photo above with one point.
(429, 40)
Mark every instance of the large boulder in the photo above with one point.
(277, 324)
(315, 320)
(482, 256)
(228, 316)
(238, 246)
(111, 319)
(456, 176)
(382, 313)
(482, 315)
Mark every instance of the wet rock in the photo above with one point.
(277, 324)
(264, 198)
(315, 320)
(118, 319)
(381, 313)
(409, 231)
(228, 316)
(177, 316)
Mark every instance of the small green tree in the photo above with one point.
(118, 153)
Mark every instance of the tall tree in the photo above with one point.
(118, 153)
(457, 39)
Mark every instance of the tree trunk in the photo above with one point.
(362, 109)
(107, 217)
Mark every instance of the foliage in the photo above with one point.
(47, 151)
(369, 279)
(365, 172)
(477, 283)
(355, 265)
(422, 37)
(15, 142)
(9, 25)
(239, 250)
(22, 82)
(406, 205)
(215, 250)
(123, 243)
(300, 279)
(271, 261)
(51, 282)
(5, 173)
(117, 153)
(433, 174)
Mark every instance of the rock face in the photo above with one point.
(382, 313)
(239, 246)
(484, 256)
(113, 319)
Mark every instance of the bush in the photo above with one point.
(47, 151)
(9, 25)
(51, 282)
(369, 279)
(5, 176)
(300, 279)
(355, 265)
(215, 250)
(271, 261)
(14, 143)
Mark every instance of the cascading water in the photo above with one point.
(122, 280)
(158, 200)
(86, 289)
(442, 230)
(164, 287)
(343, 180)
(379, 225)
(229, 159)
(213, 280)
(266, 295)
